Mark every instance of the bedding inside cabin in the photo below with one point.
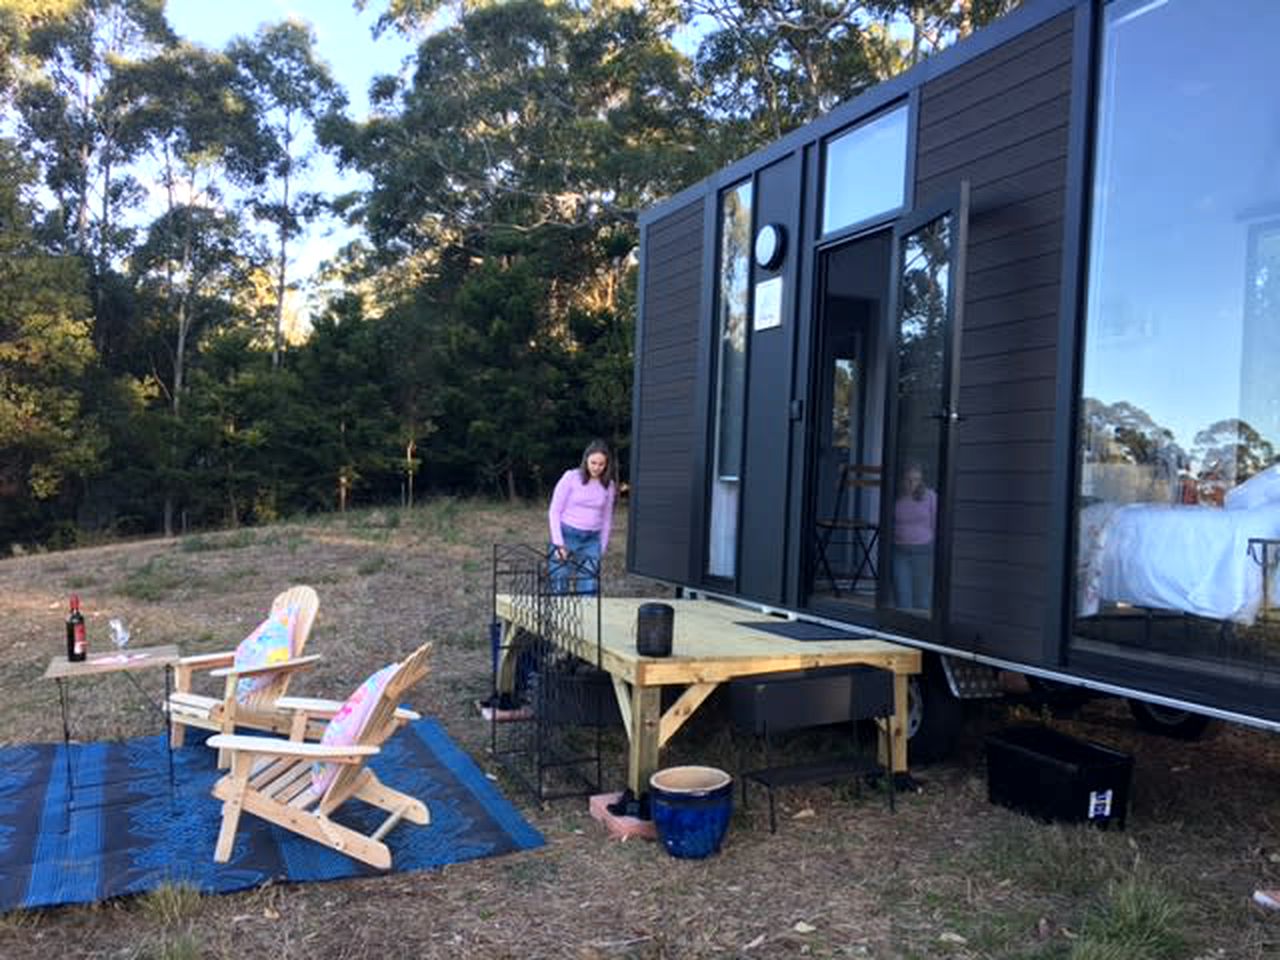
(1202, 560)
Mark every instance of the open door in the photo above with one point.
(845, 464)
(925, 328)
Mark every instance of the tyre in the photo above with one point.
(934, 715)
(1169, 721)
(1063, 700)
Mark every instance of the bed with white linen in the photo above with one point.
(1195, 559)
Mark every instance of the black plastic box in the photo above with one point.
(777, 702)
(1052, 776)
(582, 696)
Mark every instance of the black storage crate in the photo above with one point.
(580, 695)
(1052, 776)
(777, 702)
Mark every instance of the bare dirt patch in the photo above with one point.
(947, 875)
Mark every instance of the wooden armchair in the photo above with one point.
(274, 779)
(257, 709)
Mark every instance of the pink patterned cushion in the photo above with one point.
(349, 722)
(270, 642)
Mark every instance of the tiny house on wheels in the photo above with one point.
(984, 361)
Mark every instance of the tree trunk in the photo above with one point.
(281, 280)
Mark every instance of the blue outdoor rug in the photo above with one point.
(125, 833)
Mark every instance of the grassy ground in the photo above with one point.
(947, 875)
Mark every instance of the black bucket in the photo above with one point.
(653, 629)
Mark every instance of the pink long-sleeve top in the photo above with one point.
(585, 506)
(914, 520)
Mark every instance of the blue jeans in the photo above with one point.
(579, 573)
(913, 576)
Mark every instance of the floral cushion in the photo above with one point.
(270, 642)
(349, 722)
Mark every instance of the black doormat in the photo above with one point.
(803, 630)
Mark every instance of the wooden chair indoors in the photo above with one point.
(297, 785)
(254, 709)
(853, 530)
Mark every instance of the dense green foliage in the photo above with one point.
(153, 372)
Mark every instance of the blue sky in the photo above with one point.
(343, 36)
(344, 40)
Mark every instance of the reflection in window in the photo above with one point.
(865, 172)
(731, 376)
(923, 319)
(1180, 405)
(843, 397)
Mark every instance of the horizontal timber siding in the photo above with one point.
(666, 383)
(1000, 121)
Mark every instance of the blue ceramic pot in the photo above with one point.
(691, 807)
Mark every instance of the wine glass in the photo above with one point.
(119, 633)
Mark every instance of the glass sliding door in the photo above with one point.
(923, 414)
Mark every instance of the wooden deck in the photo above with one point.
(710, 646)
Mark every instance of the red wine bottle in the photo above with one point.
(77, 643)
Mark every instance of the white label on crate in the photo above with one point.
(1099, 804)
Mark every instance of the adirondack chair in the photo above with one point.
(255, 710)
(277, 779)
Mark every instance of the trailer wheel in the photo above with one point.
(1169, 721)
(934, 715)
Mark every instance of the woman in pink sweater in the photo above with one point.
(580, 517)
(915, 517)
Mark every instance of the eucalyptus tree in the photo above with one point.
(508, 170)
(73, 116)
(45, 351)
(194, 260)
(769, 66)
(204, 141)
(526, 117)
(772, 65)
(291, 89)
(935, 24)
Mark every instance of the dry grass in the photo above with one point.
(947, 875)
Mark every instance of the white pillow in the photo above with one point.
(1262, 487)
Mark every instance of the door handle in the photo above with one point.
(946, 414)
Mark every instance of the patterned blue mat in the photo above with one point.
(125, 833)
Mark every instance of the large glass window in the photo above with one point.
(731, 376)
(865, 173)
(1180, 406)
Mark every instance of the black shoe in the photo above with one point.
(628, 806)
(624, 804)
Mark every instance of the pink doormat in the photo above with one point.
(620, 828)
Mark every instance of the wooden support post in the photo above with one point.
(508, 658)
(897, 739)
(646, 720)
